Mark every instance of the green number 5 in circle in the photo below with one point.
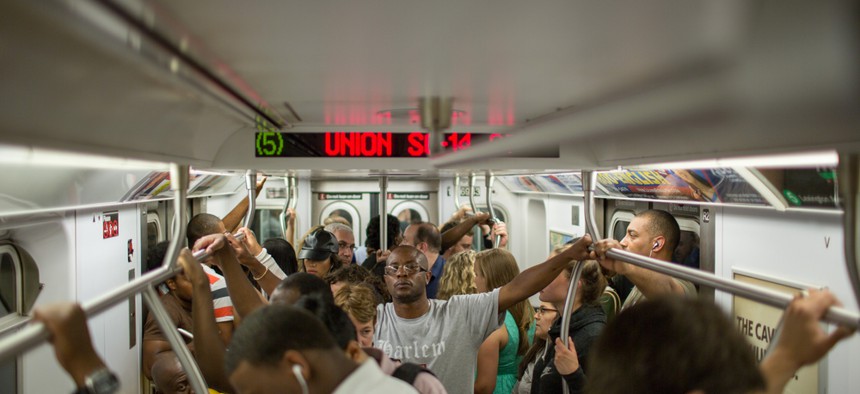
(269, 144)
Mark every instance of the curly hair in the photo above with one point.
(359, 301)
(458, 276)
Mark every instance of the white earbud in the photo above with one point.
(656, 244)
(297, 370)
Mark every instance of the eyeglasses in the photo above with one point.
(543, 310)
(344, 245)
(410, 269)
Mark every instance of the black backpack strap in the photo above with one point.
(407, 372)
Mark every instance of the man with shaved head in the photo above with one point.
(653, 233)
(427, 238)
(445, 335)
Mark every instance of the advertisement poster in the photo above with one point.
(520, 184)
(714, 185)
(572, 181)
(551, 184)
(557, 239)
(811, 188)
(757, 323)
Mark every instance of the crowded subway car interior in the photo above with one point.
(698, 150)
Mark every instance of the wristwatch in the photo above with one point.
(102, 381)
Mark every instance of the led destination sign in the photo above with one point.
(368, 144)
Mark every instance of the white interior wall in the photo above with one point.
(799, 247)
(52, 246)
(103, 265)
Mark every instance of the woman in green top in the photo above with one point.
(501, 352)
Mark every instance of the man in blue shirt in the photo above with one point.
(426, 238)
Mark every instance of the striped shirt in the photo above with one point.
(220, 298)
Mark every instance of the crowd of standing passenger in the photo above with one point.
(430, 315)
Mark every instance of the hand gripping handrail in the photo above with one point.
(34, 334)
(591, 228)
(251, 185)
(383, 213)
(836, 315)
(489, 179)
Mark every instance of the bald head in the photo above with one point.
(408, 253)
(662, 223)
(168, 374)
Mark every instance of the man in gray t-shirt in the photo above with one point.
(445, 335)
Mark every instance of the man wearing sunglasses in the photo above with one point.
(445, 335)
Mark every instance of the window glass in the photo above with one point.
(340, 213)
(8, 286)
(9, 376)
(407, 217)
(687, 251)
(266, 224)
(620, 230)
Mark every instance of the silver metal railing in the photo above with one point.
(489, 179)
(383, 213)
(36, 333)
(251, 185)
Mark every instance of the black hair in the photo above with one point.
(155, 256)
(335, 319)
(694, 337)
(283, 253)
(373, 230)
(663, 223)
(427, 232)
(306, 284)
(267, 333)
(201, 225)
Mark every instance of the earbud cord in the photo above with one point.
(301, 379)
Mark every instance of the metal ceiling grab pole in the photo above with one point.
(835, 315)
(34, 334)
(472, 179)
(456, 192)
(284, 218)
(489, 179)
(848, 180)
(251, 185)
(591, 228)
(383, 213)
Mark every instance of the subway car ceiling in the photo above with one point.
(580, 84)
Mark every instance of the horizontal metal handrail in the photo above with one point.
(763, 295)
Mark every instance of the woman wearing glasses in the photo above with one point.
(544, 317)
(587, 320)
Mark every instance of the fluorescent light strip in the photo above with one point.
(37, 157)
(797, 160)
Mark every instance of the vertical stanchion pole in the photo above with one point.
(383, 213)
(848, 182)
(587, 188)
(489, 179)
(179, 185)
(251, 185)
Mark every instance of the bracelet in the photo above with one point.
(264, 274)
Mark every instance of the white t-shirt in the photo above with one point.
(368, 378)
(445, 340)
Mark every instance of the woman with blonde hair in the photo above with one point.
(458, 276)
(502, 351)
